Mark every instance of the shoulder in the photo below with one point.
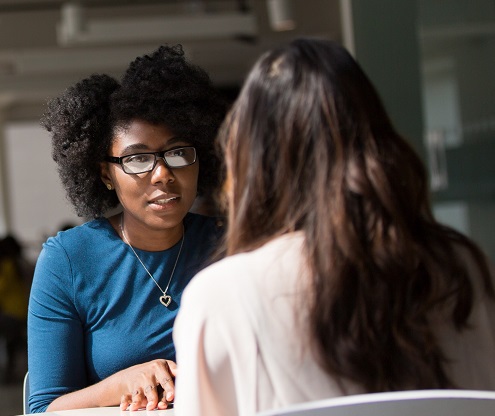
(214, 301)
(230, 299)
(198, 223)
(91, 235)
(473, 269)
(240, 274)
(204, 229)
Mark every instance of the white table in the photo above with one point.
(108, 411)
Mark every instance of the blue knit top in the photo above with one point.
(93, 309)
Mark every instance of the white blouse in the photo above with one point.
(242, 346)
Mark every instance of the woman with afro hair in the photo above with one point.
(132, 156)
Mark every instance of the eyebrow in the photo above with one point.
(144, 147)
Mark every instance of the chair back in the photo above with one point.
(25, 394)
(405, 403)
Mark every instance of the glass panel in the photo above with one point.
(457, 39)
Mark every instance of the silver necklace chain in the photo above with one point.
(165, 299)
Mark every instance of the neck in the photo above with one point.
(148, 239)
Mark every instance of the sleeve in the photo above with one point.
(55, 332)
(216, 352)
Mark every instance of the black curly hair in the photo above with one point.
(160, 88)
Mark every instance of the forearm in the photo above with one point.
(134, 386)
(104, 393)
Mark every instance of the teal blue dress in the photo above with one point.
(93, 309)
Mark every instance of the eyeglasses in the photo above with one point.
(146, 162)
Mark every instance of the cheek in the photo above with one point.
(189, 179)
(131, 190)
(128, 187)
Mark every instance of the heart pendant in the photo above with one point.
(165, 300)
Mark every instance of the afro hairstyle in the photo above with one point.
(161, 88)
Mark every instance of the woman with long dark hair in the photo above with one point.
(337, 280)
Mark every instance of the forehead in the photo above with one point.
(141, 134)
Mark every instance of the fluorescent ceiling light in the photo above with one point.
(75, 29)
(281, 15)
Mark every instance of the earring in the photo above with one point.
(109, 186)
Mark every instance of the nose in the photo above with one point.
(161, 172)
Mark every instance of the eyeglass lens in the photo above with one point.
(145, 162)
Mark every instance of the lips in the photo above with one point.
(164, 200)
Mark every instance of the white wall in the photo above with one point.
(36, 200)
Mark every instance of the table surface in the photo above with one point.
(108, 411)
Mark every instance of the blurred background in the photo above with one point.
(432, 61)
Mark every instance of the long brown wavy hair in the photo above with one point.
(309, 146)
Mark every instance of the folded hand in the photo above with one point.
(150, 385)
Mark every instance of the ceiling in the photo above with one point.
(224, 36)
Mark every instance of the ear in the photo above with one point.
(105, 176)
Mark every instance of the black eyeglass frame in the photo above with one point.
(160, 154)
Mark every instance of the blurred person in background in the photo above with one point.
(15, 278)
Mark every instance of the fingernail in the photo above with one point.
(169, 395)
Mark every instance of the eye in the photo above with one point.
(139, 158)
(176, 152)
(180, 157)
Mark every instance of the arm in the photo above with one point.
(55, 334)
(57, 355)
(140, 379)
